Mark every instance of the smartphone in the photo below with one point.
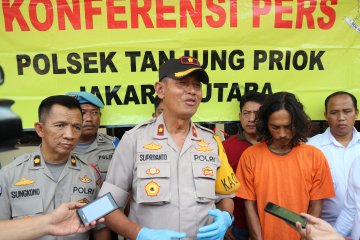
(285, 214)
(97, 208)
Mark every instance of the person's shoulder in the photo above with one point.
(320, 139)
(309, 148)
(140, 126)
(255, 149)
(233, 138)
(80, 163)
(105, 137)
(203, 132)
(205, 129)
(316, 139)
(108, 139)
(88, 172)
(18, 162)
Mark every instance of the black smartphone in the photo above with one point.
(97, 208)
(285, 214)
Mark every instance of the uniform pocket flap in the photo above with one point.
(153, 170)
(203, 170)
(28, 207)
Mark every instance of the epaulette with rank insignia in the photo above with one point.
(73, 160)
(37, 161)
(160, 130)
(193, 130)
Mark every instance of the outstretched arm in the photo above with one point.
(60, 222)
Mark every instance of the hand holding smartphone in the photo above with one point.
(97, 208)
(285, 214)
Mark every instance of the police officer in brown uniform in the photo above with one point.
(169, 165)
(38, 182)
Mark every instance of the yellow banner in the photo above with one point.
(113, 48)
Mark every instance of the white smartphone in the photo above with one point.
(97, 208)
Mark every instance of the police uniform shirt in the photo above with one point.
(28, 187)
(99, 153)
(171, 189)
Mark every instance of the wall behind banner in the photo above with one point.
(114, 48)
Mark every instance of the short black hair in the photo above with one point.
(338, 93)
(252, 96)
(157, 102)
(300, 121)
(63, 100)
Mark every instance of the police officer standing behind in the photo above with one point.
(96, 148)
(170, 165)
(38, 182)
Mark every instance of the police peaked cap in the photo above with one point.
(85, 97)
(182, 67)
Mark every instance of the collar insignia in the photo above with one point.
(73, 161)
(24, 182)
(203, 146)
(37, 161)
(83, 200)
(85, 179)
(152, 146)
(152, 189)
(153, 171)
(160, 130)
(194, 133)
(207, 171)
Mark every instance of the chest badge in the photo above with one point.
(83, 200)
(203, 146)
(152, 189)
(207, 171)
(85, 179)
(152, 146)
(153, 171)
(24, 182)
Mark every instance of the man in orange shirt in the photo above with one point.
(282, 169)
(235, 146)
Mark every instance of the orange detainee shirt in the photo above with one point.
(291, 181)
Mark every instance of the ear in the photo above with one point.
(160, 89)
(240, 116)
(325, 116)
(39, 129)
